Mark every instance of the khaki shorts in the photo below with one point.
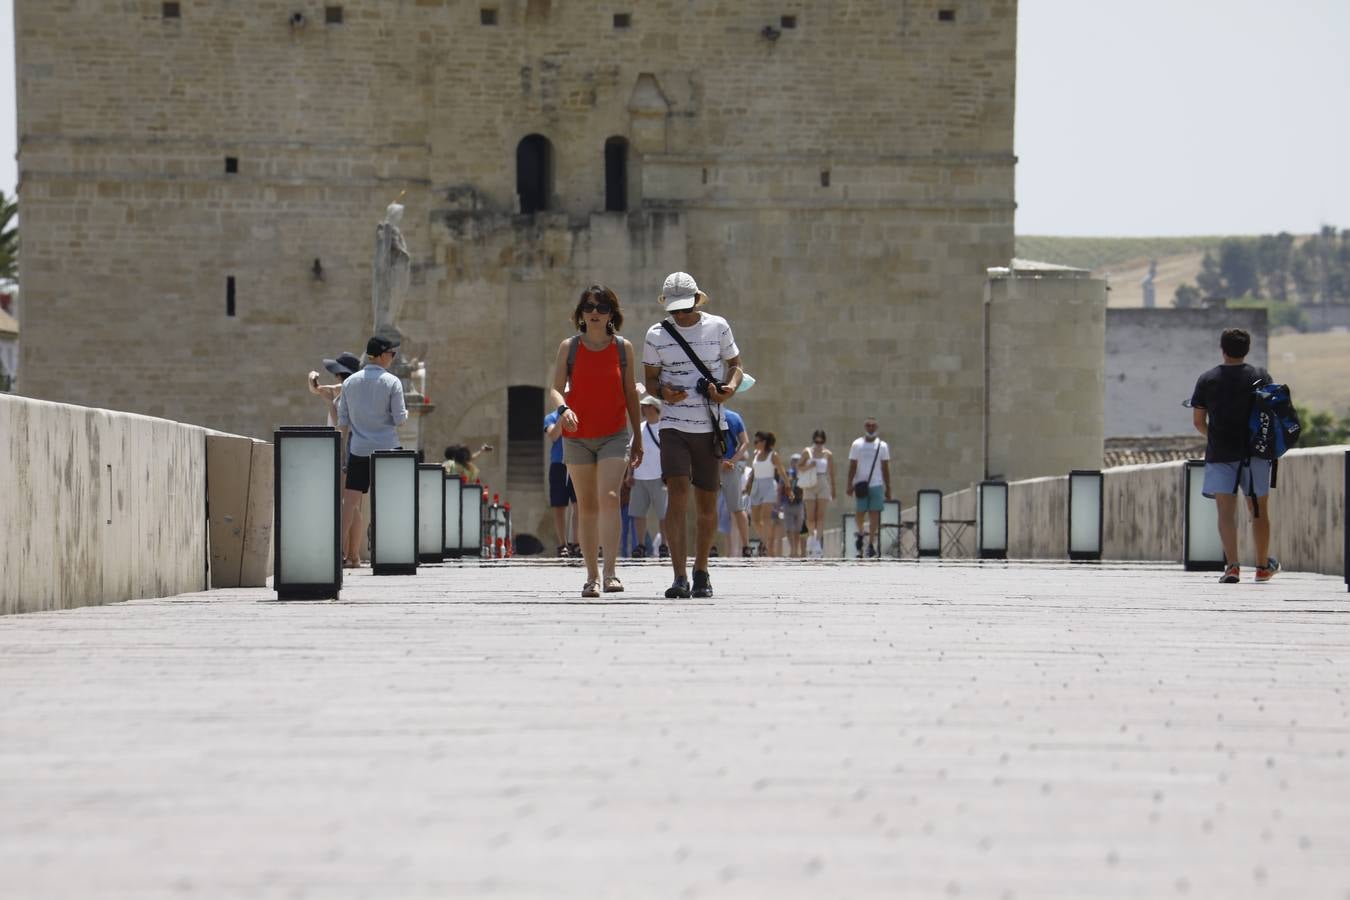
(686, 454)
(589, 451)
(647, 494)
(818, 491)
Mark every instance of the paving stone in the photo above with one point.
(817, 730)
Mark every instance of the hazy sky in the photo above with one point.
(1142, 117)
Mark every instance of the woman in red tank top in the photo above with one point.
(596, 394)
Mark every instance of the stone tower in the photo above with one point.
(200, 182)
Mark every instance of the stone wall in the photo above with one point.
(839, 188)
(1144, 514)
(1154, 356)
(1046, 332)
(97, 506)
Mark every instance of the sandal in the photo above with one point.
(590, 589)
(613, 585)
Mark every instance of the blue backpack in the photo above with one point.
(1273, 426)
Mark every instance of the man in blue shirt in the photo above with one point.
(370, 409)
(733, 473)
(562, 497)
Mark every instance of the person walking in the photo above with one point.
(869, 473)
(816, 476)
(647, 494)
(597, 401)
(562, 497)
(1220, 406)
(766, 474)
(370, 409)
(733, 472)
(794, 511)
(692, 366)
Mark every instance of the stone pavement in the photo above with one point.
(817, 731)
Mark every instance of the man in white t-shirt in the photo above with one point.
(869, 461)
(691, 420)
(647, 492)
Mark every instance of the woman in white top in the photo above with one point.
(818, 495)
(763, 490)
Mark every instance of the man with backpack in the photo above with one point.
(1224, 408)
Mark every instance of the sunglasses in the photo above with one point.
(818, 442)
(603, 309)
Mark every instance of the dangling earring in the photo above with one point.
(609, 327)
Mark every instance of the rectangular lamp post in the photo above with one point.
(890, 529)
(1345, 507)
(307, 498)
(926, 528)
(993, 531)
(471, 521)
(393, 512)
(1202, 549)
(430, 513)
(1086, 499)
(454, 487)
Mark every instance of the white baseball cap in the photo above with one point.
(680, 292)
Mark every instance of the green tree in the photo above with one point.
(1273, 254)
(1187, 296)
(1209, 280)
(1237, 266)
(9, 238)
(1322, 429)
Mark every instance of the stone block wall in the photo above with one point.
(839, 190)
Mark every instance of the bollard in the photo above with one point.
(471, 521)
(430, 513)
(992, 537)
(510, 535)
(393, 512)
(928, 531)
(1086, 499)
(1202, 551)
(307, 496)
(452, 489)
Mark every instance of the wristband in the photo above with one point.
(562, 409)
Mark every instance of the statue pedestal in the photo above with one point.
(410, 432)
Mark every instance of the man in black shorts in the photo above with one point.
(690, 420)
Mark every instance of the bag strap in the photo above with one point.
(689, 351)
(875, 456)
(702, 369)
(651, 434)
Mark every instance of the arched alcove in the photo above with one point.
(616, 174)
(534, 173)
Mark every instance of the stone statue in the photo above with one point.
(1150, 292)
(391, 273)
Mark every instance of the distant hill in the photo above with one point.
(1123, 261)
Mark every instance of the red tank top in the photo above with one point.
(596, 392)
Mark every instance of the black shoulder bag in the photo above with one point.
(721, 436)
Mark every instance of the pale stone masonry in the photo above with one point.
(839, 184)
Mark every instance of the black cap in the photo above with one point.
(345, 364)
(377, 345)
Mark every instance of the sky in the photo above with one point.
(1141, 117)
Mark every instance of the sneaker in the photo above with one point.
(663, 552)
(714, 551)
(857, 543)
(574, 551)
(639, 552)
(745, 551)
(871, 552)
(702, 584)
(563, 552)
(1263, 573)
(679, 589)
(1231, 575)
